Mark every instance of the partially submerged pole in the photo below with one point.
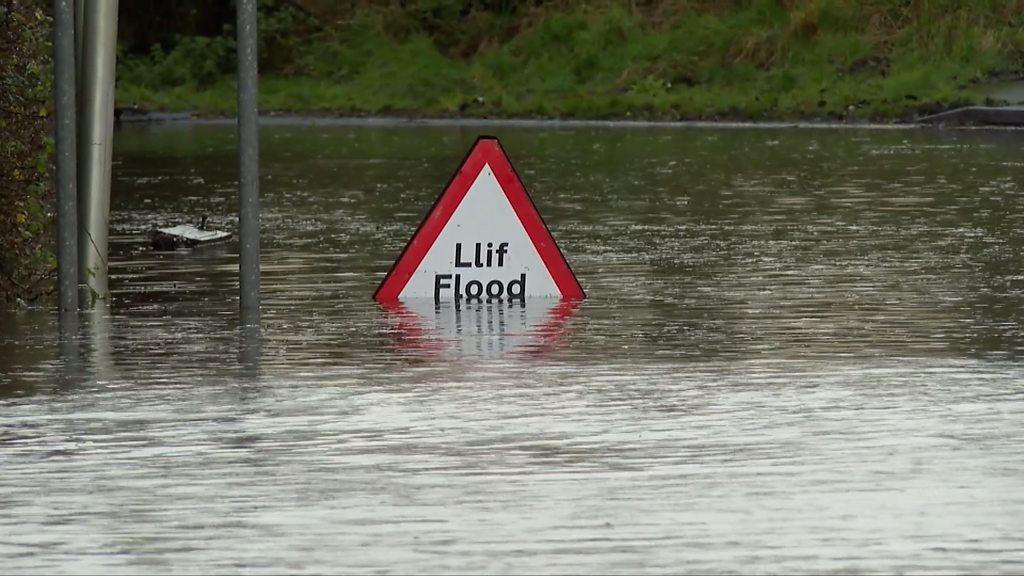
(67, 212)
(95, 143)
(248, 164)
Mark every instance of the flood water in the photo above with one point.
(803, 350)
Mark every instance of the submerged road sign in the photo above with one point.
(483, 239)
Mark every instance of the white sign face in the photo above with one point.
(482, 252)
(482, 241)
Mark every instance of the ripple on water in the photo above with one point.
(800, 353)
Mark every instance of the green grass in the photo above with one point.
(761, 59)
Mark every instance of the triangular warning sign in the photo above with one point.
(483, 239)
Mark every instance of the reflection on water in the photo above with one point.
(800, 351)
(477, 330)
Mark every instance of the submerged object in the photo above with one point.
(483, 240)
(978, 116)
(186, 236)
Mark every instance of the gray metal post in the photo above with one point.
(67, 212)
(251, 349)
(248, 164)
(79, 35)
(95, 144)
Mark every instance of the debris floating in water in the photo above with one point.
(186, 236)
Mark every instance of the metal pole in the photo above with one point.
(79, 35)
(251, 349)
(248, 164)
(99, 51)
(67, 211)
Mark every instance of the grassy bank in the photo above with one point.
(26, 196)
(670, 59)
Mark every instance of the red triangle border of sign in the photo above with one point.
(485, 151)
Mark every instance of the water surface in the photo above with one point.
(802, 351)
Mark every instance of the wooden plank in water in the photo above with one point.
(186, 236)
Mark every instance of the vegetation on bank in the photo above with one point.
(661, 59)
(27, 261)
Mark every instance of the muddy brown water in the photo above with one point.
(802, 351)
